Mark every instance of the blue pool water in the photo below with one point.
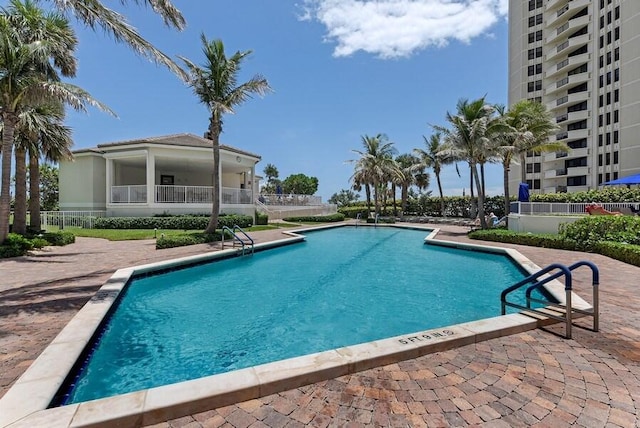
(341, 287)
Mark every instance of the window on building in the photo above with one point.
(616, 54)
(538, 52)
(600, 101)
(615, 137)
(607, 177)
(600, 140)
(607, 159)
(609, 17)
(616, 95)
(616, 74)
(602, 22)
(615, 159)
(615, 175)
(616, 12)
(616, 116)
(608, 118)
(577, 107)
(538, 85)
(599, 178)
(600, 120)
(536, 184)
(609, 38)
(601, 81)
(608, 98)
(616, 33)
(600, 159)
(608, 58)
(601, 61)
(608, 77)
(577, 181)
(601, 44)
(608, 139)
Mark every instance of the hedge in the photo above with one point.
(627, 253)
(592, 229)
(187, 239)
(261, 218)
(175, 222)
(316, 219)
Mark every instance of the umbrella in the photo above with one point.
(523, 192)
(631, 179)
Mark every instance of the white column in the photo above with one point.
(109, 178)
(151, 178)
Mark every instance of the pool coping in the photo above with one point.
(25, 404)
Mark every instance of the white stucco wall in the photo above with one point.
(539, 223)
(82, 183)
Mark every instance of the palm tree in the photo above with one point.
(468, 138)
(94, 14)
(409, 169)
(34, 47)
(40, 131)
(215, 84)
(374, 164)
(435, 157)
(528, 126)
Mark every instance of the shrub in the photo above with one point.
(39, 242)
(388, 220)
(174, 222)
(14, 246)
(261, 218)
(319, 219)
(353, 211)
(60, 238)
(627, 253)
(186, 239)
(590, 230)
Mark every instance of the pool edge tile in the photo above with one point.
(59, 417)
(121, 410)
(198, 395)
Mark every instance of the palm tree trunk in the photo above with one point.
(442, 212)
(523, 170)
(367, 191)
(9, 119)
(404, 196)
(472, 213)
(214, 132)
(376, 202)
(483, 221)
(20, 206)
(34, 190)
(395, 209)
(482, 180)
(507, 197)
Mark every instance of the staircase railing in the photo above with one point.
(537, 280)
(244, 241)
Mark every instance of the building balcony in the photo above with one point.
(566, 64)
(553, 5)
(550, 157)
(557, 34)
(555, 189)
(567, 46)
(577, 171)
(563, 102)
(577, 153)
(555, 173)
(557, 17)
(567, 81)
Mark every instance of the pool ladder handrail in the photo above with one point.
(568, 309)
(358, 218)
(243, 241)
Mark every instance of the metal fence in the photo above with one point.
(290, 199)
(62, 219)
(558, 208)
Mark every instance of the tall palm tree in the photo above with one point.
(435, 157)
(468, 138)
(528, 126)
(215, 83)
(409, 168)
(40, 131)
(34, 48)
(375, 162)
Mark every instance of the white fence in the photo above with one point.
(129, 194)
(290, 200)
(137, 194)
(557, 208)
(62, 219)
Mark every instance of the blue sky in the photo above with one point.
(340, 69)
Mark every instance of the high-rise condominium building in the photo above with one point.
(581, 58)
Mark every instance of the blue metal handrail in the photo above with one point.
(237, 238)
(569, 310)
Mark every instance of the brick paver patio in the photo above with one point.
(529, 379)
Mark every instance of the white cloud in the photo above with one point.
(398, 28)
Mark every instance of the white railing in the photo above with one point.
(129, 194)
(183, 194)
(232, 195)
(62, 219)
(558, 208)
(179, 195)
(294, 200)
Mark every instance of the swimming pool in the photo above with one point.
(341, 287)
